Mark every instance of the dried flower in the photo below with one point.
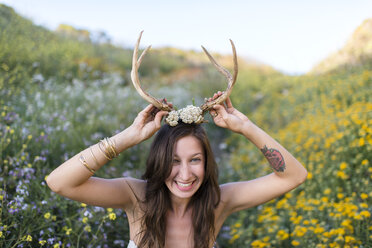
(190, 114)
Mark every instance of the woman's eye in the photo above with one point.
(195, 159)
(176, 161)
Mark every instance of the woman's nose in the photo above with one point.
(185, 172)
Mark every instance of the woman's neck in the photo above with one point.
(180, 207)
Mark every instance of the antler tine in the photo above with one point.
(231, 79)
(135, 78)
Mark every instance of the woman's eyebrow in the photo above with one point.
(192, 155)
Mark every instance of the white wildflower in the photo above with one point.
(172, 118)
(190, 114)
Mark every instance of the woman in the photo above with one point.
(179, 203)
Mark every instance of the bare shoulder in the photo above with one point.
(136, 187)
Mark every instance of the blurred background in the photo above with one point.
(304, 77)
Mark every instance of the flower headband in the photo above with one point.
(190, 114)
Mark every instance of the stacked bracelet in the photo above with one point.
(84, 162)
(94, 157)
(108, 148)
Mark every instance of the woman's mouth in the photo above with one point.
(185, 186)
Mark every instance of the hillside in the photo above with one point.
(63, 91)
(68, 53)
(356, 52)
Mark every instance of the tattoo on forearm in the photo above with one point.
(274, 157)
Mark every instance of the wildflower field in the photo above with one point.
(61, 92)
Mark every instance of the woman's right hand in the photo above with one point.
(147, 122)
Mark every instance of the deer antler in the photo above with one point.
(135, 80)
(231, 79)
(162, 104)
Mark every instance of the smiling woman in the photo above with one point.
(178, 203)
(181, 187)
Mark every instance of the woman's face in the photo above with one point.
(188, 168)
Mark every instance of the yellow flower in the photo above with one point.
(42, 242)
(364, 205)
(56, 245)
(68, 231)
(341, 175)
(11, 131)
(327, 191)
(349, 239)
(343, 166)
(47, 215)
(112, 216)
(340, 195)
(1, 234)
(334, 244)
(295, 243)
(233, 238)
(364, 196)
(362, 141)
(83, 205)
(365, 162)
(85, 220)
(282, 235)
(87, 228)
(309, 175)
(28, 238)
(109, 210)
(365, 213)
(238, 225)
(29, 137)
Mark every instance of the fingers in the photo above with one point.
(215, 96)
(213, 113)
(159, 116)
(228, 103)
(219, 110)
(147, 110)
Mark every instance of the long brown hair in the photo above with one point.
(157, 198)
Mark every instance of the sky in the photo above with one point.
(290, 35)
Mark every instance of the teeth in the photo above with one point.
(183, 184)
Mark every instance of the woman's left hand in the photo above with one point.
(226, 116)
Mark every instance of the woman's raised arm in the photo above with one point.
(288, 172)
(73, 179)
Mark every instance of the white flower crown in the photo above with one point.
(190, 114)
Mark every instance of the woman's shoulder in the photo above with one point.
(137, 188)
